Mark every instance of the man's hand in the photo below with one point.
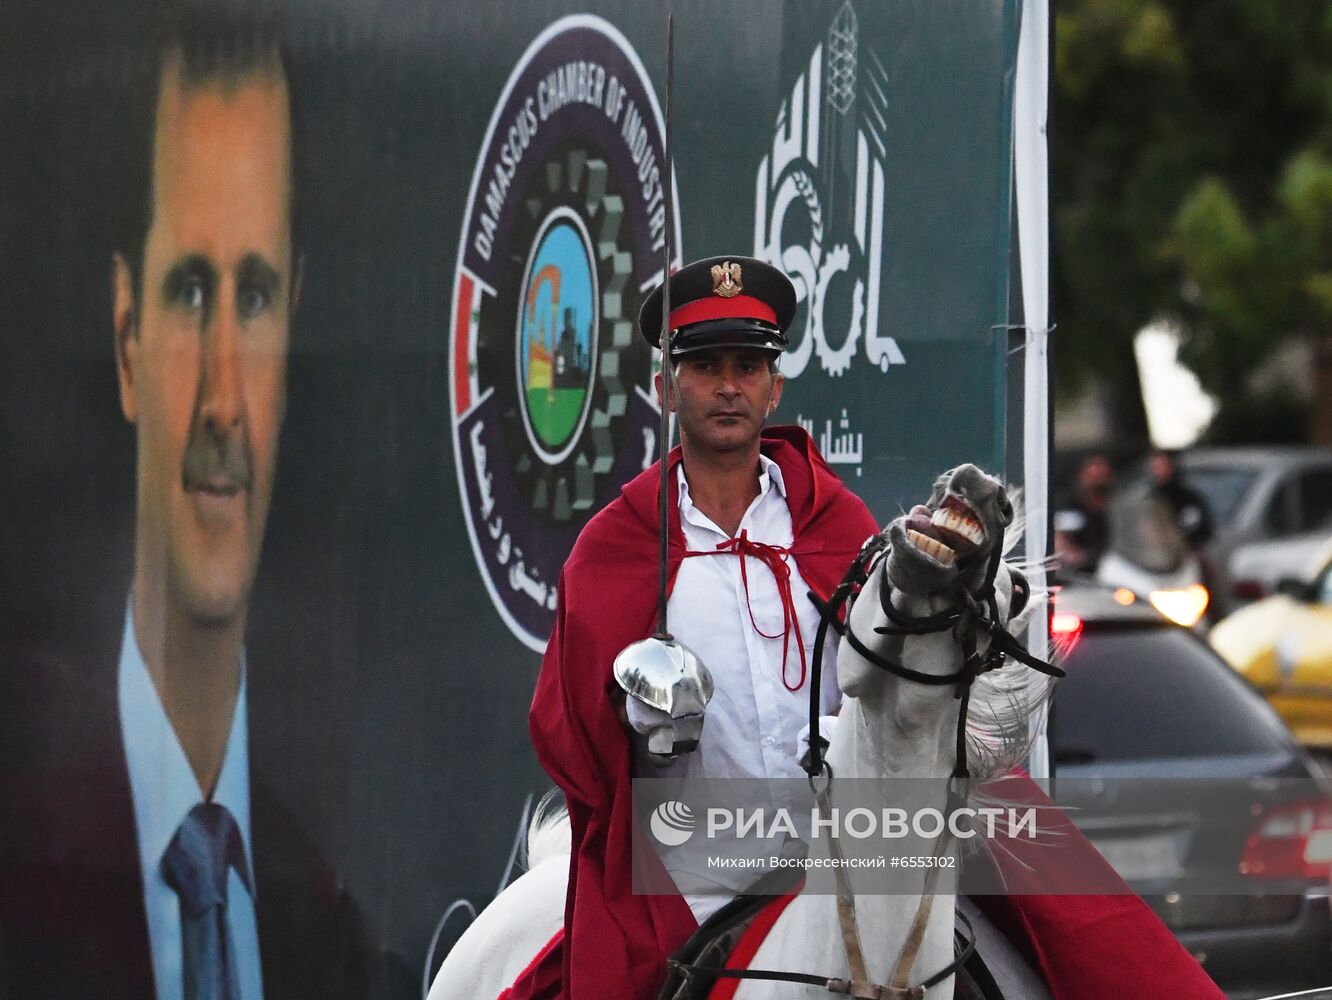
(643, 718)
(666, 737)
(827, 727)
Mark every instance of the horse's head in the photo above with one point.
(929, 608)
(950, 539)
(936, 551)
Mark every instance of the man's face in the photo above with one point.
(202, 350)
(1095, 478)
(722, 397)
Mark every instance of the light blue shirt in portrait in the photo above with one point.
(164, 790)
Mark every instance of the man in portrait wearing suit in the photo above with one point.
(136, 860)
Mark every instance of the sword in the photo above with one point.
(662, 632)
(663, 674)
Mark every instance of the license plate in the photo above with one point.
(1150, 857)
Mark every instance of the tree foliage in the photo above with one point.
(1192, 183)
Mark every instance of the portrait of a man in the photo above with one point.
(136, 859)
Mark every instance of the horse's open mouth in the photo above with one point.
(945, 534)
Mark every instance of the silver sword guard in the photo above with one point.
(668, 676)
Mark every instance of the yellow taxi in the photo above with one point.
(1283, 646)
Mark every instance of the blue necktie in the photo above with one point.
(196, 864)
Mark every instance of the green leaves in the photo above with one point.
(1191, 182)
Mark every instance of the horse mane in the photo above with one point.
(1006, 702)
(549, 833)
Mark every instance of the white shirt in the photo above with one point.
(164, 790)
(752, 723)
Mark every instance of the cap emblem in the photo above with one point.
(726, 279)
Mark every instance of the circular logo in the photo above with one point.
(557, 336)
(672, 823)
(563, 238)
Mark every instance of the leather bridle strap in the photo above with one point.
(916, 936)
(829, 612)
(846, 900)
(906, 673)
(968, 619)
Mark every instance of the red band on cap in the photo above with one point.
(716, 307)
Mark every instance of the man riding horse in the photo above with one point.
(756, 521)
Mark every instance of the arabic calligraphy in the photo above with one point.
(528, 582)
(521, 579)
(483, 479)
(840, 448)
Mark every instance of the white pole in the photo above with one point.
(1030, 163)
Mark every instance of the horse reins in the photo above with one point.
(972, 615)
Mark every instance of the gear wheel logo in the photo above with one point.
(562, 240)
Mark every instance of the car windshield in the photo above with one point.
(1143, 530)
(1144, 693)
(1222, 487)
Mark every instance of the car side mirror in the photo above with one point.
(1296, 590)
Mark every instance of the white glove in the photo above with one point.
(667, 738)
(827, 729)
(644, 717)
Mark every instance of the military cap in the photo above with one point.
(723, 302)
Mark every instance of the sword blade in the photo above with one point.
(665, 340)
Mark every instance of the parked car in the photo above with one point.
(1256, 493)
(1145, 698)
(1256, 568)
(1283, 646)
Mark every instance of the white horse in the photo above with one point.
(890, 727)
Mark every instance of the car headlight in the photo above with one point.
(1184, 607)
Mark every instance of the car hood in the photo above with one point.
(1247, 639)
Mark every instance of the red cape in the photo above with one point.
(616, 943)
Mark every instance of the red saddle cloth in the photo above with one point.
(748, 945)
(542, 976)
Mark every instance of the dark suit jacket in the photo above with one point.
(72, 921)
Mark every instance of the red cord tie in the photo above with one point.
(775, 558)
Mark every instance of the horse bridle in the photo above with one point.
(974, 614)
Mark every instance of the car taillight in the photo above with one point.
(1292, 841)
(1065, 630)
(1247, 590)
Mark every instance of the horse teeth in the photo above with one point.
(958, 524)
(932, 547)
